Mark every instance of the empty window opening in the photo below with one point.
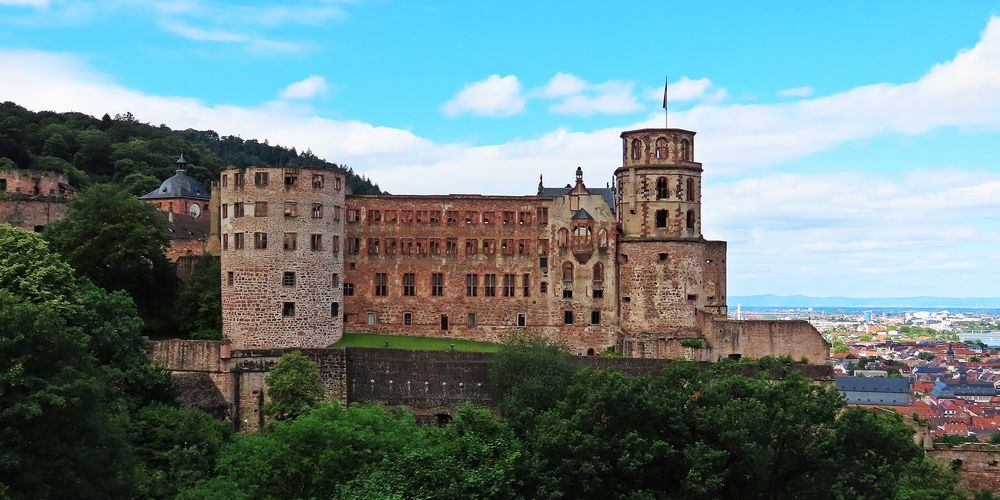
(291, 209)
(690, 219)
(489, 285)
(636, 149)
(335, 279)
(685, 150)
(229, 278)
(316, 242)
(260, 241)
(288, 309)
(437, 285)
(661, 188)
(260, 209)
(661, 149)
(317, 181)
(260, 179)
(661, 219)
(522, 319)
(526, 284)
(408, 319)
(334, 309)
(470, 320)
(38, 229)
(288, 278)
(598, 294)
(508, 285)
(690, 190)
(381, 284)
(598, 272)
(567, 271)
(543, 288)
(567, 317)
(595, 317)
(348, 289)
(663, 257)
(471, 285)
(692, 297)
(290, 180)
(444, 322)
(735, 356)
(626, 299)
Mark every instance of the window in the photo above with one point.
(225, 182)
(567, 294)
(409, 284)
(336, 212)
(437, 284)
(567, 317)
(636, 149)
(435, 246)
(507, 246)
(408, 319)
(542, 214)
(595, 317)
(522, 319)
(238, 180)
(390, 217)
(316, 242)
(435, 217)
(290, 241)
(348, 289)
(489, 247)
(371, 319)
(508, 285)
(543, 287)
(489, 285)
(353, 215)
(508, 217)
(470, 320)
(238, 241)
(662, 256)
(406, 216)
(470, 217)
(690, 190)
(661, 218)
(690, 219)
(488, 217)
(661, 149)
(288, 309)
(421, 216)
(562, 237)
(471, 284)
(225, 242)
(237, 210)
(602, 238)
(290, 180)
(524, 218)
(685, 150)
(598, 294)
(317, 181)
(444, 322)
(452, 217)
(225, 211)
(598, 272)
(337, 182)
(373, 246)
(567, 271)
(353, 245)
(471, 247)
(317, 211)
(260, 179)
(335, 244)
(374, 216)
(381, 284)
(543, 262)
(260, 209)
(692, 297)
(230, 278)
(335, 279)
(291, 209)
(288, 278)
(260, 241)
(523, 247)
(451, 246)
(334, 309)
(661, 188)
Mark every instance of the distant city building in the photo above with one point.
(878, 391)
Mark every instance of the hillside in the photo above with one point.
(136, 155)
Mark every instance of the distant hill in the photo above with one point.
(137, 155)
(918, 302)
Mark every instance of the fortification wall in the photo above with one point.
(756, 339)
(978, 465)
(30, 212)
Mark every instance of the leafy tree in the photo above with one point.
(995, 438)
(955, 439)
(293, 385)
(116, 241)
(529, 375)
(199, 306)
(839, 348)
(139, 183)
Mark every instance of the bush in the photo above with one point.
(693, 343)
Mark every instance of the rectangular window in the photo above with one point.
(288, 309)
(567, 294)
(470, 320)
(260, 209)
(470, 217)
(290, 241)
(542, 215)
(381, 284)
(406, 246)
(238, 180)
(230, 278)
(507, 246)
(508, 217)
(487, 217)
(288, 278)
(435, 217)
(291, 209)
(524, 218)
(452, 216)
(353, 215)
(451, 246)
(238, 241)
(471, 284)
(390, 246)
(567, 317)
(316, 242)
(408, 319)
(336, 212)
(260, 241)
(435, 246)
(337, 183)
(334, 309)
(522, 320)
(237, 210)
(543, 288)
(374, 216)
(290, 180)
(317, 181)
(353, 245)
(437, 284)
(406, 216)
(225, 242)
(335, 244)
(409, 284)
(471, 247)
(225, 211)
(225, 181)
(371, 319)
(595, 317)
(489, 285)
(523, 247)
(598, 294)
(260, 179)
(373, 246)
(508, 285)
(317, 211)
(335, 279)
(348, 289)
(543, 262)
(421, 216)
(489, 247)
(526, 284)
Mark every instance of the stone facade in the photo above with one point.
(977, 464)
(32, 199)
(281, 257)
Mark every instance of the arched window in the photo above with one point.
(661, 188)
(661, 218)
(686, 150)
(690, 219)
(603, 238)
(636, 149)
(690, 190)
(567, 271)
(661, 149)
(562, 237)
(598, 272)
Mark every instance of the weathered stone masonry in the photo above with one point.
(32, 199)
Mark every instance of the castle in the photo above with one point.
(623, 267)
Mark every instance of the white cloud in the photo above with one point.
(495, 96)
(255, 43)
(563, 84)
(579, 97)
(311, 87)
(803, 91)
(687, 90)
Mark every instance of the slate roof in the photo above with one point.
(958, 389)
(185, 227)
(607, 193)
(581, 215)
(178, 185)
(873, 384)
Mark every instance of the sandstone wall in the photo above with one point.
(978, 465)
(756, 339)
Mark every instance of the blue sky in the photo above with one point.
(850, 148)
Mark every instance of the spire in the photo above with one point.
(181, 163)
(541, 189)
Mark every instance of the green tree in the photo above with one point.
(139, 183)
(529, 375)
(117, 242)
(995, 438)
(199, 305)
(926, 356)
(294, 387)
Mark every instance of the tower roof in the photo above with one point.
(581, 214)
(178, 185)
